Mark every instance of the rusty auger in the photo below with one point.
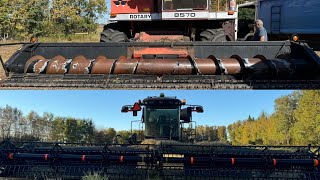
(234, 65)
(252, 63)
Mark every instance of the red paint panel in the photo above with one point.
(138, 53)
(145, 37)
(131, 6)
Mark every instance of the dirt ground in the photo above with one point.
(6, 52)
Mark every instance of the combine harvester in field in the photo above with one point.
(170, 44)
(168, 125)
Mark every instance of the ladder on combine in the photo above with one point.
(275, 19)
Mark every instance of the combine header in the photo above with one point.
(166, 44)
(169, 65)
(168, 158)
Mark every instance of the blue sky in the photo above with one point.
(104, 19)
(103, 107)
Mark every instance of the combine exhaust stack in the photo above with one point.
(184, 65)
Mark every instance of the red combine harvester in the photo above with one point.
(171, 20)
(166, 44)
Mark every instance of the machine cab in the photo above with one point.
(163, 117)
(173, 5)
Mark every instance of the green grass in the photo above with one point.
(94, 37)
(95, 176)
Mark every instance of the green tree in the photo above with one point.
(98, 137)
(35, 123)
(125, 135)
(77, 15)
(88, 130)
(72, 130)
(21, 18)
(10, 118)
(37, 17)
(47, 119)
(250, 119)
(57, 129)
(110, 134)
(5, 19)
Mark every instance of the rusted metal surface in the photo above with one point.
(234, 65)
(172, 65)
(273, 61)
(80, 65)
(205, 66)
(58, 65)
(145, 37)
(125, 66)
(230, 66)
(164, 66)
(102, 65)
(36, 64)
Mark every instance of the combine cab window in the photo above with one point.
(184, 4)
(163, 123)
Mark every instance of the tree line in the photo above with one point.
(47, 127)
(20, 18)
(295, 121)
(211, 133)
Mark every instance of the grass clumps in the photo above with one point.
(95, 176)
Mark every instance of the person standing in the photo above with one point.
(260, 33)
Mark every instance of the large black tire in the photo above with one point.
(111, 33)
(213, 35)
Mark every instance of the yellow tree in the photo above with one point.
(307, 127)
(222, 133)
(284, 116)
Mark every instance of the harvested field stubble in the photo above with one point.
(5, 53)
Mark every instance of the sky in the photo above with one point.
(104, 19)
(221, 107)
